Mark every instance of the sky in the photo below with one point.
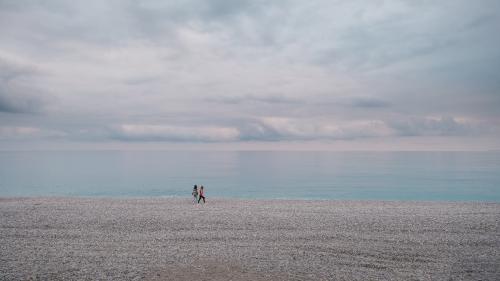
(226, 74)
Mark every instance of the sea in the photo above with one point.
(317, 175)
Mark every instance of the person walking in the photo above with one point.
(202, 195)
(195, 193)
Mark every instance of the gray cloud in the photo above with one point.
(13, 104)
(370, 103)
(440, 126)
(147, 132)
(278, 128)
(23, 133)
(269, 99)
(17, 94)
(245, 71)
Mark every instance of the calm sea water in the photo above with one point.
(298, 175)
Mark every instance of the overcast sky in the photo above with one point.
(369, 75)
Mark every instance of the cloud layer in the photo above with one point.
(248, 71)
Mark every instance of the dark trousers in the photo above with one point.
(201, 196)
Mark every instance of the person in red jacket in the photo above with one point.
(201, 195)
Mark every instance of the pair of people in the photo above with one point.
(198, 195)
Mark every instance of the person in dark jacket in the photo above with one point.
(195, 193)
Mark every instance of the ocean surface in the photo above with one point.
(449, 176)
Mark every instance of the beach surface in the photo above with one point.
(226, 239)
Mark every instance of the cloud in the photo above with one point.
(141, 132)
(269, 99)
(279, 128)
(262, 129)
(28, 133)
(17, 132)
(438, 126)
(17, 93)
(245, 71)
(276, 128)
(19, 99)
(369, 103)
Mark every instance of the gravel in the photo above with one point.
(226, 239)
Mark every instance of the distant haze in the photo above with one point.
(224, 74)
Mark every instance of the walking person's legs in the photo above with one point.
(201, 194)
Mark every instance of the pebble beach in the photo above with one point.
(233, 239)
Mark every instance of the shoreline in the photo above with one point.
(236, 198)
(247, 239)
